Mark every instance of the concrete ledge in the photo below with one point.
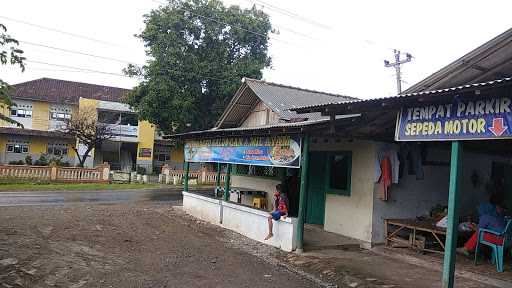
(204, 208)
(252, 210)
(253, 223)
(245, 220)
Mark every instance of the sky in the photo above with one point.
(325, 45)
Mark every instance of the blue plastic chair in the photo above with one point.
(498, 251)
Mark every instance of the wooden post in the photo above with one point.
(53, 171)
(451, 229)
(227, 184)
(302, 194)
(185, 176)
(106, 172)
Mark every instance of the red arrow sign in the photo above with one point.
(497, 127)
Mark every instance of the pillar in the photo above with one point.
(185, 176)
(302, 194)
(227, 184)
(451, 229)
(217, 182)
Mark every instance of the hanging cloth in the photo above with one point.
(386, 178)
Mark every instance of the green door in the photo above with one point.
(315, 197)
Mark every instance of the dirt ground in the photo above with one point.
(125, 245)
(154, 244)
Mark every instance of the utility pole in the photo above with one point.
(396, 65)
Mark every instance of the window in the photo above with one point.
(339, 172)
(17, 148)
(57, 149)
(162, 157)
(129, 119)
(60, 116)
(21, 113)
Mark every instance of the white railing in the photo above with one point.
(25, 172)
(202, 176)
(58, 174)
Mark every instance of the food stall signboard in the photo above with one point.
(488, 118)
(277, 151)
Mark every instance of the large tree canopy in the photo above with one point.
(10, 54)
(199, 51)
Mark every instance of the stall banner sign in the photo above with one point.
(488, 118)
(277, 151)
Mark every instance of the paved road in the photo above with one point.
(112, 196)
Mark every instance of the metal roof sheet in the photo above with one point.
(279, 98)
(219, 131)
(320, 107)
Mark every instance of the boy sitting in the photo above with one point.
(280, 209)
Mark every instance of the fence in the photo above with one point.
(201, 176)
(58, 174)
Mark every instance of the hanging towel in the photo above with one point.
(392, 154)
(386, 178)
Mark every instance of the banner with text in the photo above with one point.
(278, 151)
(488, 118)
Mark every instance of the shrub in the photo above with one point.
(141, 170)
(28, 160)
(42, 161)
(19, 162)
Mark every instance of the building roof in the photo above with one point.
(263, 130)
(65, 92)
(383, 101)
(279, 98)
(491, 60)
(31, 132)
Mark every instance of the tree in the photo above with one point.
(84, 126)
(9, 54)
(199, 51)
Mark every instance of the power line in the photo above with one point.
(78, 52)
(123, 75)
(291, 14)
(77, 68)
(60, 31)
(224, 23)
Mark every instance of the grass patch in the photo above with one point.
(72, 186)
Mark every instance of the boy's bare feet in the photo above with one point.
(269, 236)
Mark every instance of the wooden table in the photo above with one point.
(428, 226)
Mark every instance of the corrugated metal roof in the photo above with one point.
(282, 98)
(320, 107)
(279, 98)
(218, 131)
(31, 132)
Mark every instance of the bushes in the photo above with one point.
(42, 161)
(28, 160)
(141, 170)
